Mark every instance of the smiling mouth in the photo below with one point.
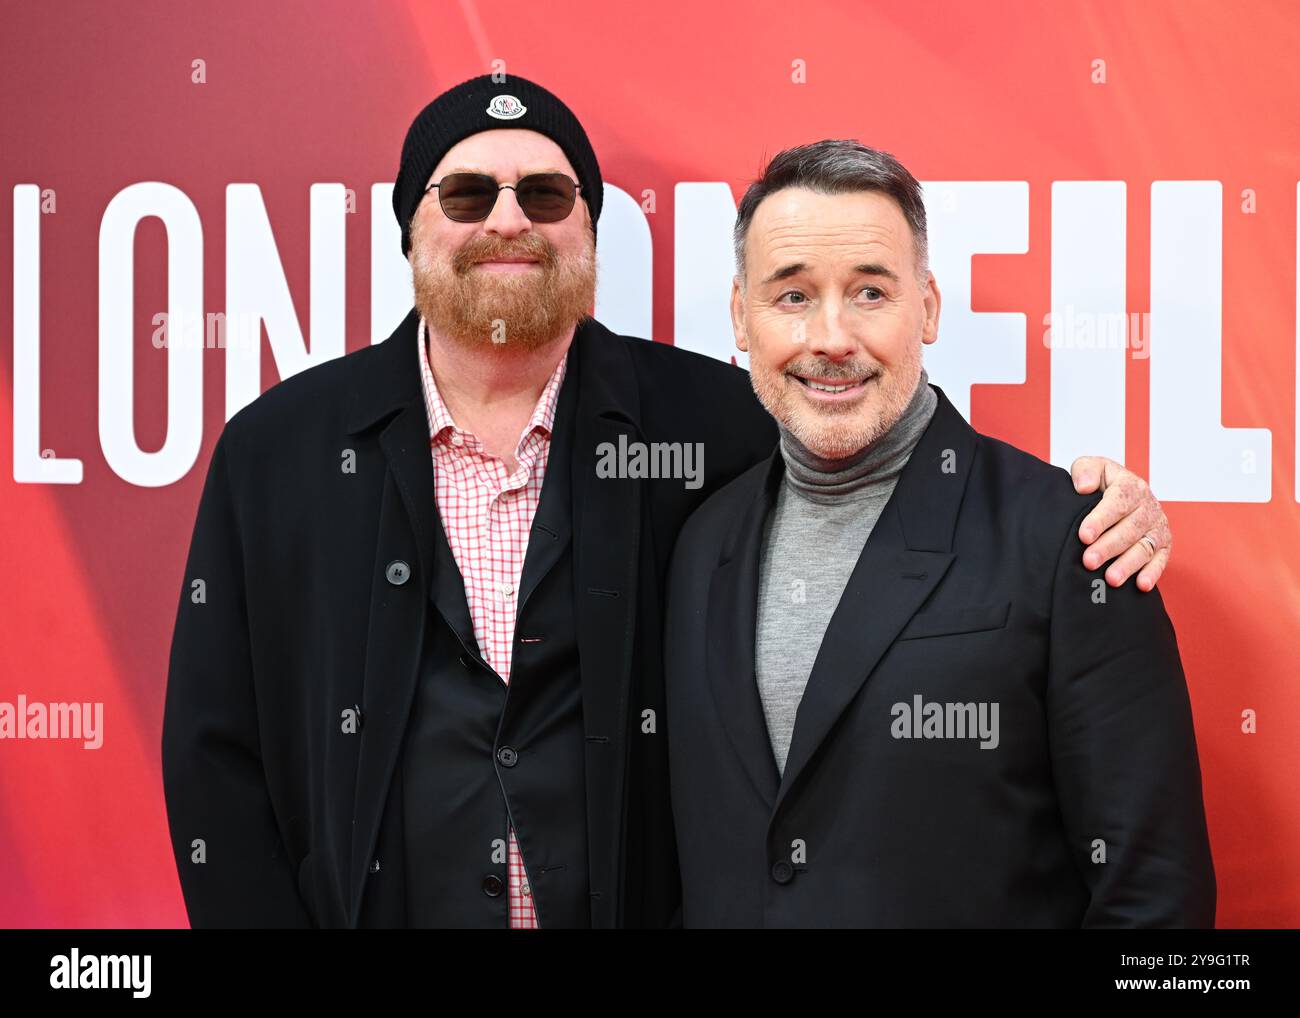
(836, 388)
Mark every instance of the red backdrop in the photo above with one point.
(97, 98)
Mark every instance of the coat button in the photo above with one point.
(398, 572)
(507, 756)
(374, 865)
(492, 885)
(782, 872)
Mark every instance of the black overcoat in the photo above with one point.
(291, 616)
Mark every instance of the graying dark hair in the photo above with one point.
(836, 166)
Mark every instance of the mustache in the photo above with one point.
(849, 371)
(493, 248)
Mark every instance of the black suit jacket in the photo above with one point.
(288, 618)
(969, 590)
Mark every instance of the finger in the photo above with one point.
(1117, 540)
(1086, 473)
(1113, 471)
(1128, 564)
(1119, 502)
(1160, 528)
(1153, 570)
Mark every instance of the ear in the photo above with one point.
(932, 301)
(738, 316)
(412, 232)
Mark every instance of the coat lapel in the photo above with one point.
(388, 395)
(607, 547)
(553, 522)
(731, 628)
(907, 554)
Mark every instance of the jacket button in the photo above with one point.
(507, 756)
(374, 865)
(492, 885)
(398, 572)
(782, 872)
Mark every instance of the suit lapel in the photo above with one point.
(731, 629)
(447, 586)
(903, 561)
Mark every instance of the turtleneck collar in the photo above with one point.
(821, 480)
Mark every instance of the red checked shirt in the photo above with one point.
(487, 514)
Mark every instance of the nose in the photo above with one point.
(827, 334)
(507, 219)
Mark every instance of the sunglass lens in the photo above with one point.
(467, 197)
(546, 197)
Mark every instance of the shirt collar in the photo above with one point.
(440, 419)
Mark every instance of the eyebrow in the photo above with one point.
(865, 269)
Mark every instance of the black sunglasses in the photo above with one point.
(470, 197)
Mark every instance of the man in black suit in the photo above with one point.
(896, 696)
(359, 729)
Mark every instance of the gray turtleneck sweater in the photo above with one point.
(825, 511)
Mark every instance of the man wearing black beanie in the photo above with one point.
(416, 674)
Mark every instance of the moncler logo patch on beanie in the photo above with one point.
(506, 107)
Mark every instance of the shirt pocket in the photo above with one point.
(952, 621)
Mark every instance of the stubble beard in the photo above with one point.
(837, 431)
